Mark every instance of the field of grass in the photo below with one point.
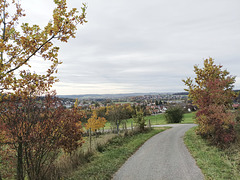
(189, 118)
(110, 157)
(215, 163)
(158, 120)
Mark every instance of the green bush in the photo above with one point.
(140, 120)
(174, 114)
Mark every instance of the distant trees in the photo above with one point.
(101, 112)
(117, 113)
(212, 92)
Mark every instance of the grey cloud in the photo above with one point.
(134, 46)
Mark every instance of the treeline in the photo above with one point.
(114, 113)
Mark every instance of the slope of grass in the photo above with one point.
(105, 163)
(215, 163)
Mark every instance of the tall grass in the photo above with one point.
(68, 163)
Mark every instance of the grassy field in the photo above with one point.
(158, 120)
(215, 163)
(110, 157)
(189, 118)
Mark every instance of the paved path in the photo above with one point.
(162, 157)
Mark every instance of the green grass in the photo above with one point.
(215, 163)
(158, 120)
(189, 118)
(104, 164)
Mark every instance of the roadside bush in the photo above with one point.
(174, 114)
(217, 125)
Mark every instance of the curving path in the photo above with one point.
(162, 157)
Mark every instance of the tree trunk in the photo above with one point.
(117, 128)
(20, 161)
(149, 123)
(90, 139)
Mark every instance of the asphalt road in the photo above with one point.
(163, 157)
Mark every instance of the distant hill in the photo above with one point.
(105, 96)
(181, 93)
(115, 96)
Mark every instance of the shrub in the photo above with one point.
(174, 114)
(140, 120)
(216, 124)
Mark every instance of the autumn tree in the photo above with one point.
(93, 124)
(128, 111)
(19, 44)
(37, 128)
(117, 113)
(113, 115)
(101, 112)
(212, 92)
(19, 87)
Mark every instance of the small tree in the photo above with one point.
(139, 119)
(114, 115)
(94, 123)
(174, 114)
(213, 93)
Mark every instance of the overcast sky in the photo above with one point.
(143, 46)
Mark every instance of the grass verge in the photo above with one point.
(215, 163)
(105, 163)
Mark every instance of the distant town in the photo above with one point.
(155, 103)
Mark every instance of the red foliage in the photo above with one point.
(40, 127)
(212, 93)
